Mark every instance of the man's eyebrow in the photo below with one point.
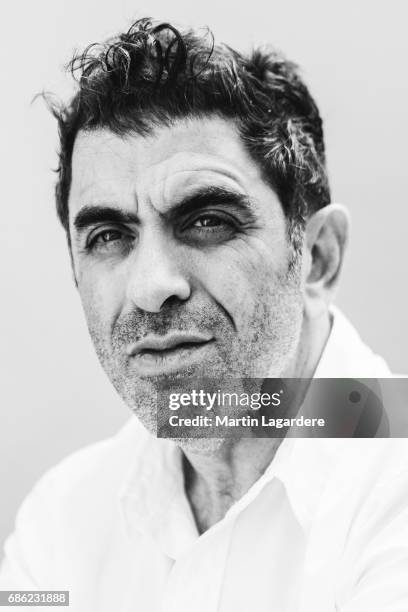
(207, 196)
(99, 213)
(92, 214)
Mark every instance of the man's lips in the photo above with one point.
(165, 354)
(159, 344)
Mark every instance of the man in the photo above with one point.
(193, 191)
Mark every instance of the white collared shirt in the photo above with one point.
(324, 529)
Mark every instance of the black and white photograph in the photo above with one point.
(204, 356)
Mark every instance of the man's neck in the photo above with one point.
(215, 480)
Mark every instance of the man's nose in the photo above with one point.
(157, 274)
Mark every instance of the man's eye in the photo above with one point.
(109, 240)
(209, 230)
(109, 236)
(209, 221)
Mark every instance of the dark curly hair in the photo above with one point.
(155, 74)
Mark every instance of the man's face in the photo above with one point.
(182, 259)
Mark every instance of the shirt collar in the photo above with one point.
(345, 354)
(152, 497)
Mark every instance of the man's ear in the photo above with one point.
(326, 238)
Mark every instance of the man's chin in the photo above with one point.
(168, 382)
(198, 446)
(148, 397)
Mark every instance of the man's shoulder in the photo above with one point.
(70, 509)
(96, 470)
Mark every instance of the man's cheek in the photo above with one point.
(102, 302)
(236, 290)
(236, 275)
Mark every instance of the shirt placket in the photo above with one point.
(195, 580)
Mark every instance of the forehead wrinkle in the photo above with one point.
(162, 177)
(107, 174)
(172, 193)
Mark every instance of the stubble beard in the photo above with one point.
(264, 348)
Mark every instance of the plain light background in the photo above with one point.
(54, 396)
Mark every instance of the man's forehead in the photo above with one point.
(162, 167)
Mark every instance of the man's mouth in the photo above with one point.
(174, 352)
